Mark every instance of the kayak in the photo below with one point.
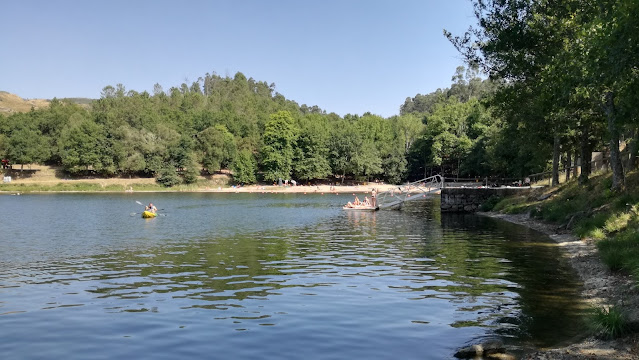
(148, 214)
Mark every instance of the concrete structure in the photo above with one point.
(469, 199)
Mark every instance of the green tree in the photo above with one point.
(218, 148)
(83, 145)
(277, 151)
(311, 151)
(27, 146)
(244, 168)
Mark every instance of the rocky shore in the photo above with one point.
(600, 288)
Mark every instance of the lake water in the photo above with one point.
(269, 276)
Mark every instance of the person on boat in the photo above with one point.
(151, 208)
(373, 198)
(357, 202)
(367, 201)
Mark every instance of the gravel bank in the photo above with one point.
(600, 288)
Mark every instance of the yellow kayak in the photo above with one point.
(148, 214)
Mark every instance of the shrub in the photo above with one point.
(617, 222)
(490, 203)
(168, 177)
(621, 252)
(609, 322)
(587, 226)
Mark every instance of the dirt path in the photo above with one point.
(600, 288)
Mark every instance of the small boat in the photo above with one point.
(361, 208)
(148, 214)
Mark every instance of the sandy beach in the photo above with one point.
(48, 176)
(305, 189)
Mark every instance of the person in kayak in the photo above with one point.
(151, 208)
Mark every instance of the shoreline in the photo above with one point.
(270, 189)
(600, 288)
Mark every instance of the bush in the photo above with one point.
(609, 323)
(621, 252)
(490, 203)
(587, 227)
(617, 222)
(168, 177)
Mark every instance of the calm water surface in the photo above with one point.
(269, 276)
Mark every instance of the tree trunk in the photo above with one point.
(613, 130)
(632, 150)
(555, 161)
(586, 155)
(574, 168)
(567, 166)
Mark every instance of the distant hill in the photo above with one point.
(11, 103)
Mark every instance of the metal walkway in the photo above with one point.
(394, 199)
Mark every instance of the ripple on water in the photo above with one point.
(301, 280)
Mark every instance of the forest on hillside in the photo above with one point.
(562, 82)
(247, 127)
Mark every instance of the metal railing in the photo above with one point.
(394, 199)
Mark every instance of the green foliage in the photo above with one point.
(82, 146)
(609, 322)
(512, 205)
(277, 151)
(26, 146)
(621, 252)
(489, 204)
(218, 147)
(312, 152)
(168, 177)
(617, 222)
(571, 76)
(244, 168)
(592, 226)
(191, 170)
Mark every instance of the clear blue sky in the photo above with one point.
(346, 56)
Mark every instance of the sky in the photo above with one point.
(345, 56)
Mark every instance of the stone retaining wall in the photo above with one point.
(469, 199)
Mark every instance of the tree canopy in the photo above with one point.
(545, 82)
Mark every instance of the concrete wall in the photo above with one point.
(469, 199)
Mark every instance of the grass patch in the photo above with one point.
(512, 205)
(490, 203)
(588, 226)
(617, 222)
(75, 186)
(621, 252)
(609, 323)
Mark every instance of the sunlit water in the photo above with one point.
(269, 276)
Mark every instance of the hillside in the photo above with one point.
(11, 103)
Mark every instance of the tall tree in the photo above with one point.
(311, 151)
(277, 152)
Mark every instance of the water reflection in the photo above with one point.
(410, 279)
